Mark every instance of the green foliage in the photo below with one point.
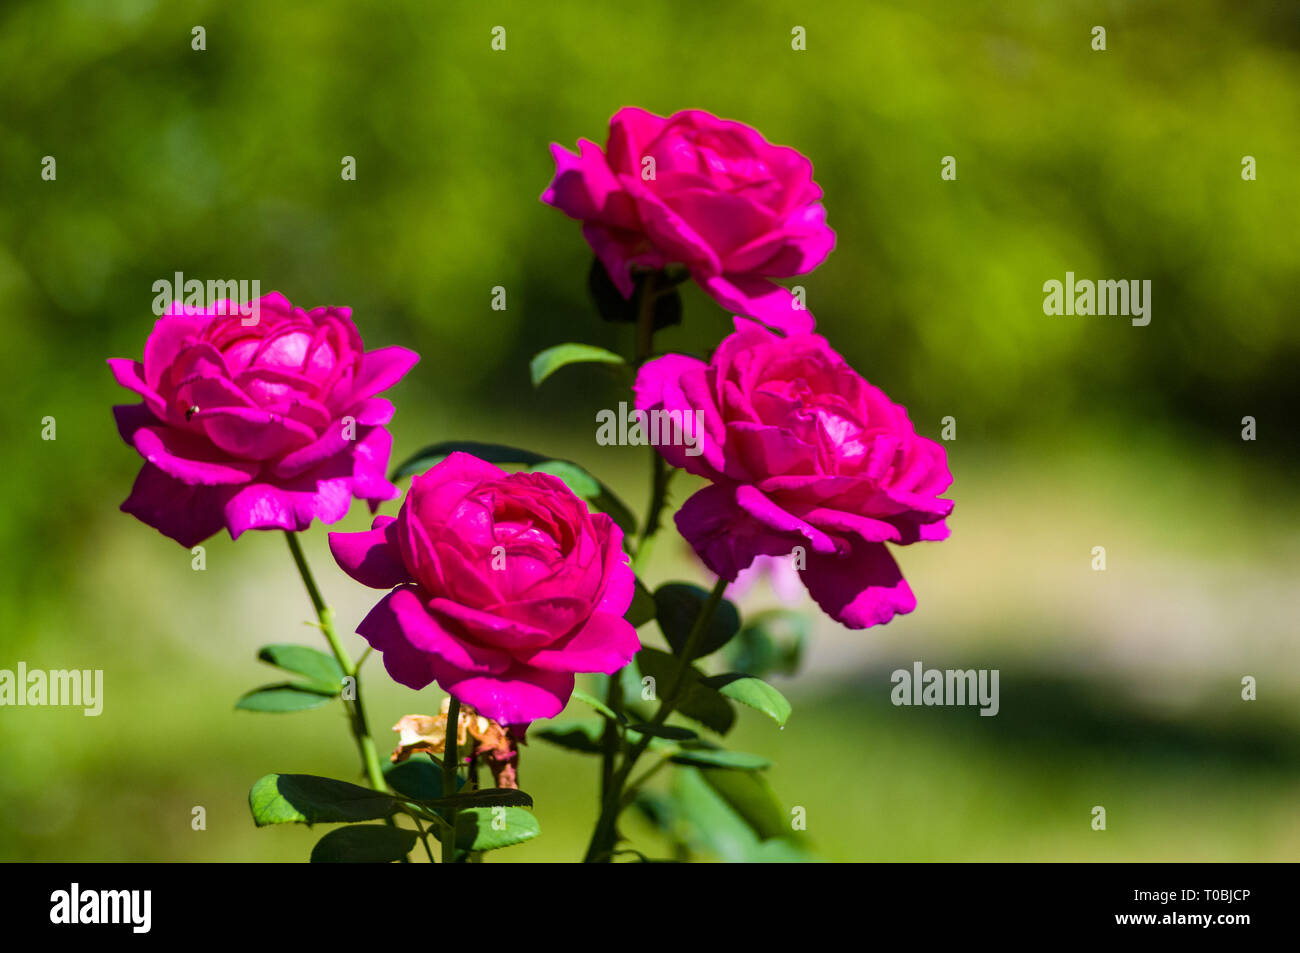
(485, 828)
(727, 815)
(545, 363)
(770, 642)
(612, 306)
(363, 844)
(581, 736)
(697, 700)
(324, 680)
(720, 758)
(754, 692)
(752, 798)
(642, 609)
(307, 799)
(596, 703)
(679, 604)
(416, 778)
(283, 697)
(321, 670)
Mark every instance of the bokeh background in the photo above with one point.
(1118, 688)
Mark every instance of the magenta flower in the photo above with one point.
(264, 425)
(506, 586)
(705, 192)
(801, 451)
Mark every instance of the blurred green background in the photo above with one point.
(1119, 689)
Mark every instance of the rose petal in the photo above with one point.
(404, 610)
(488, 628)
(184, 456)
(605, 643)
(584, 188)
(373, 557)
(381, 369)
(187, 514)
(725, 536)
(252, 433)
(860, 589)
(516, 697)
(759, 299)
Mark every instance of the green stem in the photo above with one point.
(661, 474)
(609, 741)
(645, 317)
(659, 470)
(449, 768)
(601, 848)
(424, 838)
(356, 710)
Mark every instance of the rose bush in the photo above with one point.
(504, 586)
(731, 206)
(801, 451)
(256, 424)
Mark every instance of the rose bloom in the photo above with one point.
(735, 209)
(264, 426)
(504, 586)
(801, 451)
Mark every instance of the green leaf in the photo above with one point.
(658, 808)
(718, 758)
(771, 641)
(321, 670)
(670, 732)
(712, 822)
(612, 306)
(421, 460)
(600, 706)
(753, 692)
(363, 844)
(705, 822)
(596, 494)
(547, 362)
(307, 799)
(582, 483)
(486, 828)
(696, 701)
(584, 736)
(678, 604)
(418, 780)
(486, 797)
(752, 798)
(287, 696)
(642, 609)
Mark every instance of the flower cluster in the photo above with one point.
(503, 587)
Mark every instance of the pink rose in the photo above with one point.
(506, 586)
(725, 202)
(801, 451)
(265, 426)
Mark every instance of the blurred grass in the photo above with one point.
(1120, 688)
